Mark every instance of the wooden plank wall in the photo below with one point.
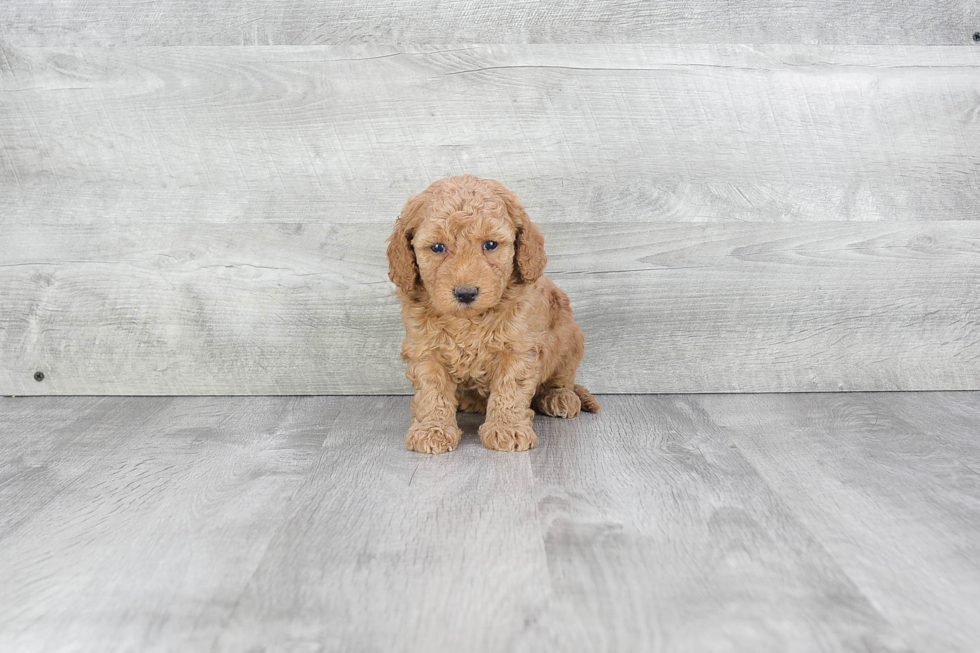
(178, 218)
(339, 22)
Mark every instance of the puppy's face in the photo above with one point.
(463, 241)
(465, 258)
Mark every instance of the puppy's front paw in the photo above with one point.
(432, 438)
(508, 437)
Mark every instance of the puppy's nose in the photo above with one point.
(466, 294)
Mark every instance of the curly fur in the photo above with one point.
(514, 347)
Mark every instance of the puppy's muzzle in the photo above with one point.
(466, 294)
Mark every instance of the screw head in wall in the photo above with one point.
(38, 376)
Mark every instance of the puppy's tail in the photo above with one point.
(589, 404)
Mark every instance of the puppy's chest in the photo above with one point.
(470, 363)
(472, 356)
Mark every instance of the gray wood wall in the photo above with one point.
(178, 218)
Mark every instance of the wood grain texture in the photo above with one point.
(583, 133)
(38, 447)
(391, 550)
(650, 516)
(307, 309)
(283, 523)
(298, 22)
(211, 220)
(889, 486)
(163, 509)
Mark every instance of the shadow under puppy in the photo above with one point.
(485, 331)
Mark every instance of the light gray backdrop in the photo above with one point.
(180, 218)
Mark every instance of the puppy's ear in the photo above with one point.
(529, 252)
(403, 269)
(529, 256)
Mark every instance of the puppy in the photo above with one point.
(485, 331)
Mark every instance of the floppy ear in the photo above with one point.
(529, 256)
(402, 266)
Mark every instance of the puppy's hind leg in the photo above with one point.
(556, 396)
(561, 397)
(556, 400)
(589, 404)
(564, 401)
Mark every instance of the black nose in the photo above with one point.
(466, 294)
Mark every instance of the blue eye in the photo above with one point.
(490, 245)
(438, 248)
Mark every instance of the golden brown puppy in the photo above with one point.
(485, 332)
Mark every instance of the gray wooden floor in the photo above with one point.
(798, 522)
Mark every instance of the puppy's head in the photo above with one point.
(461, 243)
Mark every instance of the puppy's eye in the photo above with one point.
(438, 248)
(490, 245)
